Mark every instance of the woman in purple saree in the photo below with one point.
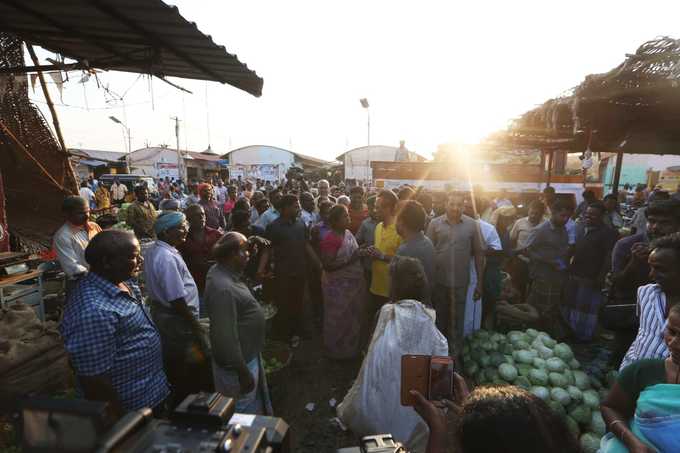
(343, 284)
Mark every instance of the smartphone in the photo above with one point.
(441, 379)
(415, 375)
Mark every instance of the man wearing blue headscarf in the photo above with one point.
(174, 308)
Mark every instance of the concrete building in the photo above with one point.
(161, 162)
(357, 161)
(269, 163)
(95, 162)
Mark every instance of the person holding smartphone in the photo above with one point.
(494, 416)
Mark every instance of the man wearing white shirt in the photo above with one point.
(118, 192)
(491, 242)
(71, 240)
(86, 193)
(220, 193)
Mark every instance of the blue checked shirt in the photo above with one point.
(108, 332)
(649, 342)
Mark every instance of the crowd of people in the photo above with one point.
(329, 257)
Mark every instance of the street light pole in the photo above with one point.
(180, 173)
(366, 105)
(129, 139)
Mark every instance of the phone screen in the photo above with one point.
(441, 379)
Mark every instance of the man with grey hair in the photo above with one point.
(324, 193)
(71, 240)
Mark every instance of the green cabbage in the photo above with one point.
(507, 372)
(546, 340)
(541, 392)
(590, 443)
(557, 380)
(484, 360)
(532, 333)
(523, 381)
(524, 356)
(574, 364)
(539, 363)
(581, 380)
(507, 348)
(538, 377)
(581, 414)
(556, 407)
(560, 395)
(563, 351)
(555, 364)
(573, 426)
(491, 374)
(522, 345)
(498, 337)
(591, 399)
(569, 376)
(575, 393)
(597, 424)
(496, 358)
(515, 335)
(523, 369)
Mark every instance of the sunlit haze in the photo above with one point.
(433, 72)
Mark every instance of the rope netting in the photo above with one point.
(37, 173)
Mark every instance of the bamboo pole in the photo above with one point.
(48, 99)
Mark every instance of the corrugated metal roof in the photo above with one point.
(97, 154)
(145, 36)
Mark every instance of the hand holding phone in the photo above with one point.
(431, 376)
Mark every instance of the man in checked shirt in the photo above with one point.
(113, 345)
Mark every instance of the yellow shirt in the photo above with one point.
(387, 240)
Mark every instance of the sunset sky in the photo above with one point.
(433, 72)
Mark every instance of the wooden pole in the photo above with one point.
(48, 99)
(550, 165)
(617, 172)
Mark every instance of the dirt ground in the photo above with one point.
(312, 378)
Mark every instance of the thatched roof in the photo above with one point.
(637, 99)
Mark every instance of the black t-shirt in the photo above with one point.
(289, 240)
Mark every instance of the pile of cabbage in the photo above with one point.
(546, 368)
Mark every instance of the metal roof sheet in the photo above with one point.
(145, 36)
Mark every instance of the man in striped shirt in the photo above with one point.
(655, 300)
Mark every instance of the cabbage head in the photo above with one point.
(561, 396)
(581, 380)
(569, 376)
(573, 426)
(590, 443)
(523, 369)
(591, 399)
(507, 372)
(555, 364)
(541, 392)
(532, 333)
(524, 356)
(563, 351)
(538, 377)
(597, 424)
(539, 363)
(556, 407)
(523, 381)
(581, 414)
(496, 358)
(574, 364)
(557, 380)
(575, 393)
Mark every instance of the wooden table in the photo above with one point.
(25, 288)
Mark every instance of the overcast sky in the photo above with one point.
(433, 72)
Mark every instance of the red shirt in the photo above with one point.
(356, 218)
(196, 255)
